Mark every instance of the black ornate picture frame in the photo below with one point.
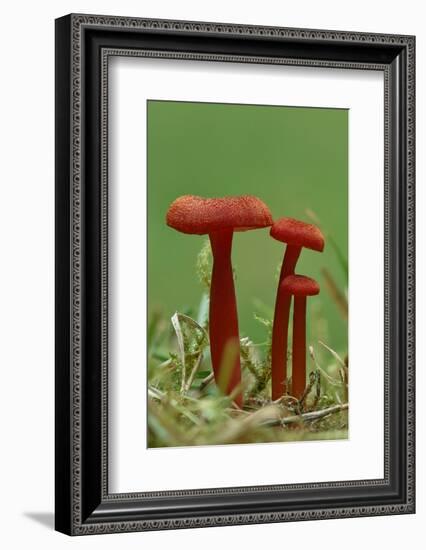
(84, 43)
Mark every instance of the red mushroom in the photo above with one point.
(219, 218)
(300, 287)
(296, 234)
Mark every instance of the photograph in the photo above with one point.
(234, 256)
(247, 286)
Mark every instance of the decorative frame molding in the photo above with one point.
(84, 43)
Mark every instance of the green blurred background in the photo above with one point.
(294, 158)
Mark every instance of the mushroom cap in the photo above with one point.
(298, 233)
(299, 285)
(200, 216)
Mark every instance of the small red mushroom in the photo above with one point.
(296, 234)
(219, 218)
(300, 287)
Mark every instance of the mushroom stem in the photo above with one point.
(291, 256)
(223, 323)
(298, 375)
(279, 345)
(280, 326)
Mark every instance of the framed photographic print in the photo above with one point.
(234, 274)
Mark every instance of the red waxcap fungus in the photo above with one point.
(299, 285)
(201, 216)
(297, 233)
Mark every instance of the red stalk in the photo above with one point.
(299, 347)
(280, 326)
(223, 323)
